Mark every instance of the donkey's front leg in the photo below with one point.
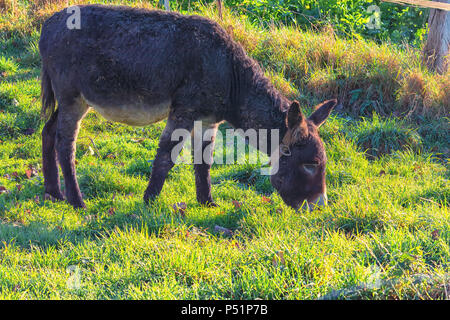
(203, 148)
(166, 154)
(70, 115)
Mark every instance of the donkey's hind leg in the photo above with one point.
(71, 112)
(49, 163)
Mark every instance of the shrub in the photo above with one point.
(348, 17)
(383, 136)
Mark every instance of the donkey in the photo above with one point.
(138, 66)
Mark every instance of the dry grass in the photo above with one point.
(365, 76)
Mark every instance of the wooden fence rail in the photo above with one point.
(422, 3)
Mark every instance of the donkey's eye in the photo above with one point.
(310, 168)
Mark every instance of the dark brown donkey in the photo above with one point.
(138, 67)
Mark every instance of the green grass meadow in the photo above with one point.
(384, 235)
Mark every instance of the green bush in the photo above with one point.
(378, 137)
(399, 23)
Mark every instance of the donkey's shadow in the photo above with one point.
(105, 216)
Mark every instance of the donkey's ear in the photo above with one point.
(322, 112)
(295, 116)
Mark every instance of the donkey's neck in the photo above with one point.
(260, 106)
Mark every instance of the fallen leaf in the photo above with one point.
(266, 199)
(279, 210)
(194, 231)
(180, 208)
(91, 218)
(382, 173)
(224, 231)
(28, 173)
(3, 189)
(435, 234)
(134, 216)
(235, 244)
(237, 204)
(278, 259)
(19, 187)
(139, 140)
(111, 211)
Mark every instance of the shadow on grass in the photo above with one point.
(105, 216)
(246, 176)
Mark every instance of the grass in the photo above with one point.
(383, 136)
(384, 235)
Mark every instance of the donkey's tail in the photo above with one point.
(47, 95)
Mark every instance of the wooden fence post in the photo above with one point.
(436, 51)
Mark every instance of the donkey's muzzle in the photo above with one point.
(320, 201)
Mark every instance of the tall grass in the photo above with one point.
(365, 76)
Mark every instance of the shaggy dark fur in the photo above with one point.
(126, 56)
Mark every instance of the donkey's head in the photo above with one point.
(302, 159)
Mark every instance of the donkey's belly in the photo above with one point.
(134, 114)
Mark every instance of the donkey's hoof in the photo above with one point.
(54, 197)
(209, 204)
(149, 198)
(78, 205)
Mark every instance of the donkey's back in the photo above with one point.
(129, 63)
